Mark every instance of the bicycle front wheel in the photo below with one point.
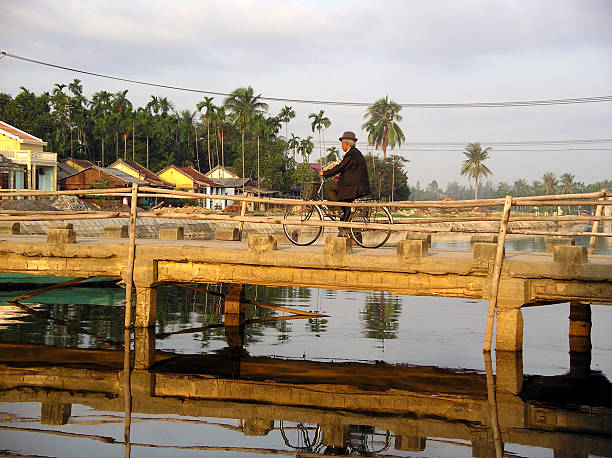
(371, 237)
(298, 233)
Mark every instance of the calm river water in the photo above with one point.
(372, 349)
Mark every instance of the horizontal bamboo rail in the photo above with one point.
(398, 226)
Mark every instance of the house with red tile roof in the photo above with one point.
(140, 172)
(191, 180)
(40, 167)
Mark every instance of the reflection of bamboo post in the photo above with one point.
(499, 448)
(129, 280)
(595, 228)
(499, 258)
(127, 392)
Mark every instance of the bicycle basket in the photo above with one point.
(309, 190)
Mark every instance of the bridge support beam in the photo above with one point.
(509, 330)
(146, 307)
(580, 338)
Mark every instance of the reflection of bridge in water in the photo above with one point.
(412, 403)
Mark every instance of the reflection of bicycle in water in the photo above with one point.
(305, 234)
(360, 440)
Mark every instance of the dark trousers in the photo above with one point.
(331, 193)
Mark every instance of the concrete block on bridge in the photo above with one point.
(172, 233)
(410, 249)
(116, 231)
(552, 242)
(484, 251)
(60, 233)
(261, 243)
(419, 236)
(10, 228)
(231, 234)
(337, 246)
(483, 238)
(568, 254)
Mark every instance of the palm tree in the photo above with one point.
(567, 181)
(186, 124)
(145, 121)
(123, 110)
(474, 166)
(243, 105)
(520, 187)
(219, 120)
(293, 143)
(305, 148)
(550, 181)
(333, 154)
(210, 108)
(259, 129)
(101, 108)
(383, 130)
(62, 111)
(319, 121)
(285, 115)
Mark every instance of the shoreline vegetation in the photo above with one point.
(239, 131)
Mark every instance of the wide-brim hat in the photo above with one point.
(348, 135)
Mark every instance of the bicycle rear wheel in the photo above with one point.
(298, 233)
(371, 238)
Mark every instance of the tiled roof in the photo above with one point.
(83, 162)
(197, 176)
(145, 173)
(17, 134)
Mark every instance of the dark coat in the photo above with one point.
(354, 181)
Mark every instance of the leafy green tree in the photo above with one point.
(319, 121)
(550, 182)
(388, 179)
(243, 104)
(146, 125)
(381, 125)
(473, 166)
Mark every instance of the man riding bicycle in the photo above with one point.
(352, 173)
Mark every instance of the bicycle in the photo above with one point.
(306, 234)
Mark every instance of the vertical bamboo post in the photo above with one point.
(499, 258)
(595, 228)
(499, 447)
(242, 213)
(129, 280)
(127, 392)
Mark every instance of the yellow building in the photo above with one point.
(189, 179)
(25, 149)
(140, 172)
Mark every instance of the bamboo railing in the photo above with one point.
(598, 199)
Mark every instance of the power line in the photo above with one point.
(523, 103)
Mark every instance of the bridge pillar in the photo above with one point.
(335, 435)
(483, 444)
(257, 427)
(511, 296)
(144, 348)
(580, 338)
(410, 443)
(55, 413)
(146, 307)
(235, 304)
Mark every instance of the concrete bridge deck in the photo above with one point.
(528, 279)
(412, 402)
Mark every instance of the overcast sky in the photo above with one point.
(445, 51)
